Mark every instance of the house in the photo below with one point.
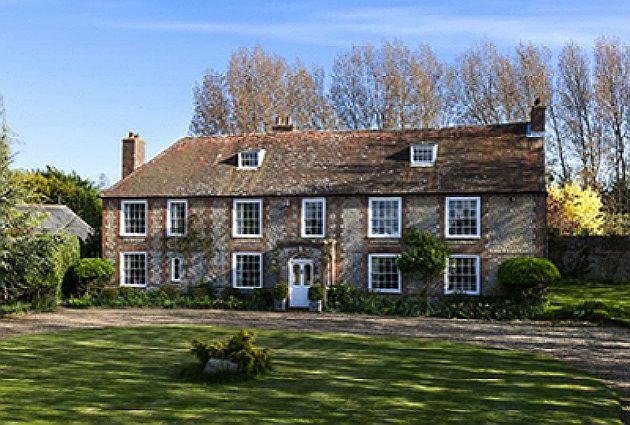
(59, 218)
(254, 209)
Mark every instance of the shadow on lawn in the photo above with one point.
(119, 376)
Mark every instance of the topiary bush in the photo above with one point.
(92, 274)
(528, 275)
(280, 291)
(425, 256)
(239, 349)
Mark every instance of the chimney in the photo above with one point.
(132, 153)
(537, 119)
(283, 123)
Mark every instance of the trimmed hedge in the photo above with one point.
(528, 272)
(344, 298)
(92, 274)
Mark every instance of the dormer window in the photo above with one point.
(250, 159)
(423, 155)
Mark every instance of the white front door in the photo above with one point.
(300, 279)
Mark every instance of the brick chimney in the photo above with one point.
(283, 123)
(537, 119)
(132, 153)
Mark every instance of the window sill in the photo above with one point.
(133, 286)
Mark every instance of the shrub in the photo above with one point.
(170, 291)
(34, 270)
(426, 254)
(259, 299)
(239, 349)
(281, 291)
(528, 273)
(341, 297)
(110, 293)
(92, 274)
(316, 292)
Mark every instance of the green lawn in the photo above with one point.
(616, 296)
(129, 375)
(576, 292)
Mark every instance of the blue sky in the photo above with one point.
(77, 75)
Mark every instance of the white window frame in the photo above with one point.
(400, 206)
(169, 229)
(477, 272)
(260, 269)
(313, 200)
(384, 291)
(260, 154)
(447, 223)
(235, 218)
(126, 202)
(181, 266)
(431, 163)
(122, 268)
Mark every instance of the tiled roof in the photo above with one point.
(60, 218)
(499, 158)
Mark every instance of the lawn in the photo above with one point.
(571, 293)
(130, 375)
(576, 292)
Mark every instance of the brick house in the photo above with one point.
(251, 210)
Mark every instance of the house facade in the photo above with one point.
(248, 211)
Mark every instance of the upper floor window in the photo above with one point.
(247, 270)
(383, 273)
(133, 269)
(133, 218)
(177, 218)
(423, 155)
(463, 217)
(247, 218)
(250, 159)
(313, 218)
(384, 217)
(462, 274)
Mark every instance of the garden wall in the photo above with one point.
(592, 257)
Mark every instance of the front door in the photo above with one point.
(300, 279)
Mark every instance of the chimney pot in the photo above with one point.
(133, 153)
(283, 123)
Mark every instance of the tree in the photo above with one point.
(53, 186)
(212, 115)
(573, 210)
(425, 256)
(575, 109)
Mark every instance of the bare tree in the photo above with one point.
(306, 100)
(575, 109)
(355, 93)
(212, 114)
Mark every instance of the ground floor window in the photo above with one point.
(247, 270)
(177, 269)
(383, 273)
(133, 270)
(462, 276)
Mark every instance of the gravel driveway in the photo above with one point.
(602, 351)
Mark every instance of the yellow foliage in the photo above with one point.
(575, 210)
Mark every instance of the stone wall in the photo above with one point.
(511, 225)
(592, 257)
